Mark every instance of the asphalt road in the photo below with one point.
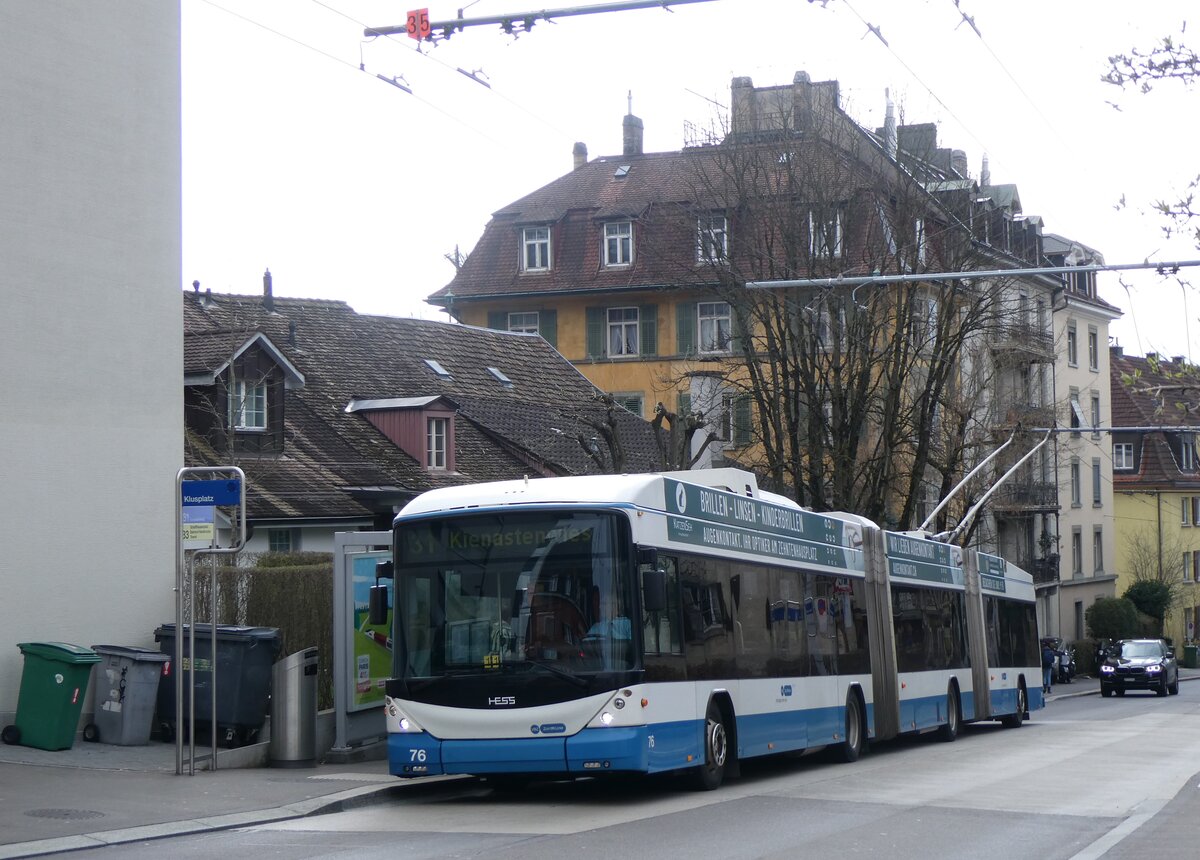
(1086, 778)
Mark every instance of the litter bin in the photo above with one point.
(53, 685)
(1189, 656)
(294, 710)
(126, 689)
(243, 660)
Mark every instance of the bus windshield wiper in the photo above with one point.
(554, 670)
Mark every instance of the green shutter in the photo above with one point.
(685, 328)
(595, 332)
(741, 420)
(548, 326)
(685, 404)
(736, 341)
(498, 320)
(648, 330)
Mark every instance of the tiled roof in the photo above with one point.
(1151, 393)
(334, 460)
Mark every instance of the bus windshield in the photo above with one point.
(528, 592)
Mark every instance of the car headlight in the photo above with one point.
(1154, 667)
(1107, 669)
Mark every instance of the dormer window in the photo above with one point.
(618, 244)
(535, 249)
(712, 239)
(248, 406)
(436, 435)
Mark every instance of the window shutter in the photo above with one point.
(595, 332)
(685, 328)
(685, 404)
(737, 341)
(741, 420)
(548, 326)
(498, 320)
(648, 323)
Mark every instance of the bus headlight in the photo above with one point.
(397, 720)
(607, 718)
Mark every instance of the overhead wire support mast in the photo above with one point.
(527, 19)
(1165, 268)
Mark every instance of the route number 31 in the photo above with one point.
(418, 24)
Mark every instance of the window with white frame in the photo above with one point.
(1122, 455)
(1095, 413)
(1093, 349)
(1189, 561)
(436, 433)
(1072, 346)
(825, 233)
(1096, 497)
(618, 243)
(1098, 549)
(622, 331)
(714, 319)
(248, 405)
(279, 540)
(1185, 511)
(1187, 452)
(1076, 551)
(712, 239)
(1076, 491)
(1196, 510)
(525, 322)
(535, 252)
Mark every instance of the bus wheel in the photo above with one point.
(851, 746)
(711, 774)
(948, 730)
(1013, 721)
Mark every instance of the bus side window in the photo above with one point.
(661, 629)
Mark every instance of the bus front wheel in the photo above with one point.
(711, 773)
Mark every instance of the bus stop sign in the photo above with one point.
(219, 493)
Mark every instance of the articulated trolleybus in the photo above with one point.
(569, 627)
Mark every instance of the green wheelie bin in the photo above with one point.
(53, 685)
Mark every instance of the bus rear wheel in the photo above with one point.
(948, 730)
(852, 744)
(711, 773)
(1014, 720)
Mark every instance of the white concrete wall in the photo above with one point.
(91, 412)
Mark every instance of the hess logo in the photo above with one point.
(501, 701)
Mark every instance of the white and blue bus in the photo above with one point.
(568, 627)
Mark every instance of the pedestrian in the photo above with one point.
(1048, 657)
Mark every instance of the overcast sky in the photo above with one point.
(297, 157)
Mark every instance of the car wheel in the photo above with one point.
(1173, 687)
(1105, 691)
(1161, 689)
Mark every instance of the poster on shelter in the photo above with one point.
(372, 643)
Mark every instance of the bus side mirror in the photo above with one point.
(377, 599)
(654, 590)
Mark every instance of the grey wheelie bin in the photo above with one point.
(244, 659)
(126, 689)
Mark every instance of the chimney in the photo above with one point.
(291, 332)
(268, 298)
(890, 141)
(985, 175)
(579, 151)
(1117, 350)
(631, 129)
(958, 163)
(196, 287)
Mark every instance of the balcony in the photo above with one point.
(1023, 342)
(1044, 570)
(1016, 496)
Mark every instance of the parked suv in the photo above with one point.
(1139, 664)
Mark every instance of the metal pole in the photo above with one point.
(191, 602)
(212, 655)
(180, 564)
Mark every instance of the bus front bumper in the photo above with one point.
(591, 751)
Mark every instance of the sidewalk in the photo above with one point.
(100, 794)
